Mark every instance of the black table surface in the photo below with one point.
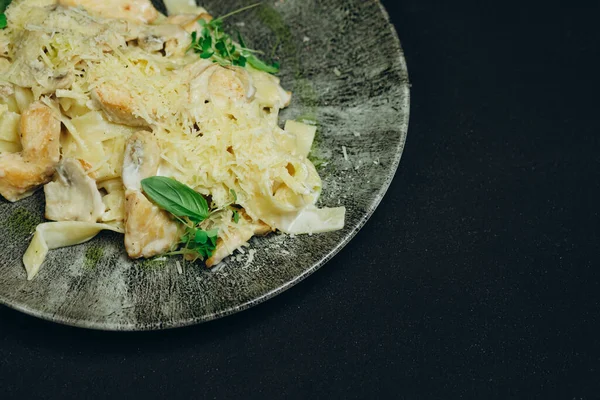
(477, 277)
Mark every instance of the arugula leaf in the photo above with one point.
(236, 216)
(176, 198)
(3, 22)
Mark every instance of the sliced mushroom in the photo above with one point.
(142, 156)
(73, 196)
(174, 39)
(151, 43)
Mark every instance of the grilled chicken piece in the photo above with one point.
(226, 246)
(149, 231)
(22, 173)
(117, 105)
(220, 85)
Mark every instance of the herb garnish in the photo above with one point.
(213, 43)
(236, 213)
(190, 208)
(3, 5)
(175, 197)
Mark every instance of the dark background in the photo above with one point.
(477, 277)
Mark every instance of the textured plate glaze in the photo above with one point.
(343, 62)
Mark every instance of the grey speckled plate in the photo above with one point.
(343, 62)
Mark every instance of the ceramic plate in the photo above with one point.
(343, 62)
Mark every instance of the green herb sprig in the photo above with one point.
(3, 6)
(190, 208)
(213, 43)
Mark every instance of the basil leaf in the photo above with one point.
(176, 198)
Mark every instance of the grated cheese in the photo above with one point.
(345, 153)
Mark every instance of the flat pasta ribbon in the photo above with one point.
(54, 235)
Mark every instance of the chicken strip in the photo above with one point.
(220, 85)
(149, 231)
(22, 173)
(117, 105)
(141, 11)
(227, 245)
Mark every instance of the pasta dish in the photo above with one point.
(162, 128)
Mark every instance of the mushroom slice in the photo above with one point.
(141, 160)
(73, 196)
